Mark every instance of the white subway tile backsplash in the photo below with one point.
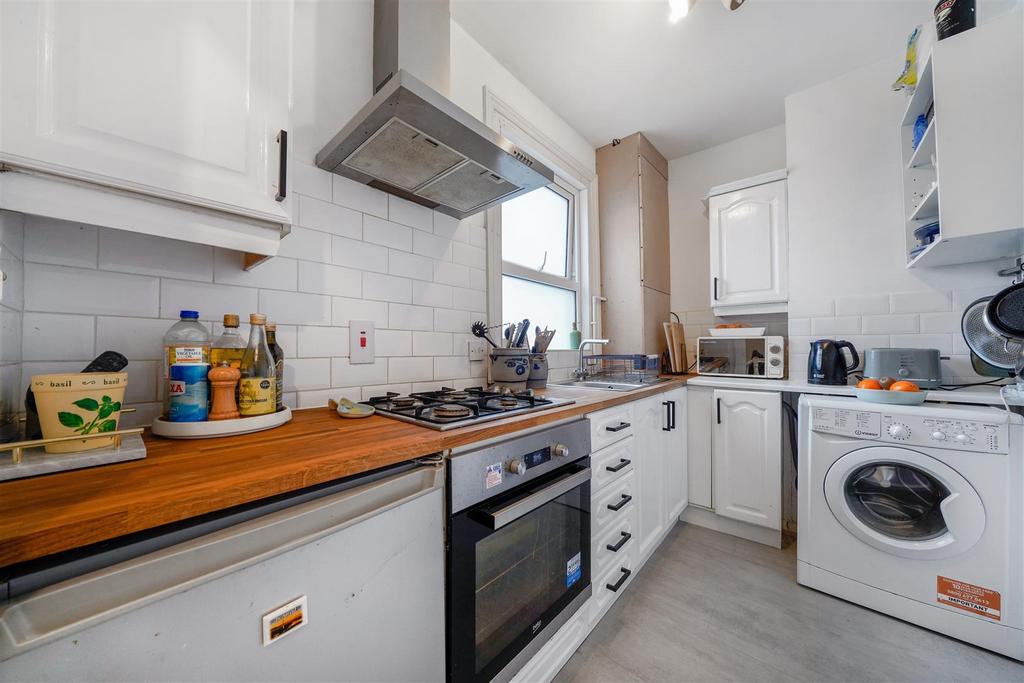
(287, 339)
(408, 213)
(346, 309)
(12, 232)
(293, 308)
(387, 233)
(453, 274)
(311, 181)
(52, 336)
(12, 284)
(10, 337)
(320, 278)
(939, 323)
(406, 317)
(469, 255)
(136, 338)
(447, 227)
(327, 217)
(432, 294)
(382, 389)
(942, 342)
(60, 242)
(410, 369)
(212, 301)
(451, 367)
(393, 343)
(833, 326)
(308, 245)
(410, 265)
(891, 324)
(274, 273)
(962, 298)
(134, 252)
(321, 342)
(320, 397)
(305, 374)
(432, 246)
(811, 308)
(862, 305)
(451, 320)
(797, 326)
(477, 279)
(358, 196)
(359, 254)
(468, 299)
(432, 344)
(387, 288)
(344, 374)
(145, 380)
(75, 290)
(921, 302)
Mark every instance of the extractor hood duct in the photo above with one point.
(410, 140)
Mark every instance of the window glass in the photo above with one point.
(535, 231)
(542, 304)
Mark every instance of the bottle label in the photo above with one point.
(187, 354)
(257, 396)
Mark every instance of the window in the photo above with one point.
(539, 236)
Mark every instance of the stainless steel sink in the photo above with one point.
(608, 385)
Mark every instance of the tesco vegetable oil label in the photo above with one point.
(186, 354)
(257, 396)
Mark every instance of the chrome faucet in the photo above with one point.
(580, 373)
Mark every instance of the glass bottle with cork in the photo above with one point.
(278, 354)
(257, 389)
(229, 347)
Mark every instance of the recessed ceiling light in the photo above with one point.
(677, 9)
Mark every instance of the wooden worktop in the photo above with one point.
(178, 479)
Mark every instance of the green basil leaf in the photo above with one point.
(87, 404)
(106, 410)
(115, 406)
(70, 419)
(108, 426)
(106, 399)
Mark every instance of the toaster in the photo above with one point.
(920, 366)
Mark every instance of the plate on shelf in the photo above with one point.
(214, 428)
(893, 398)
(736, 331)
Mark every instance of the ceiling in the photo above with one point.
(612, 68)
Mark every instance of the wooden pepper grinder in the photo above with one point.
(224, 379)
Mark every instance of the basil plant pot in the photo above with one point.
(79, 403)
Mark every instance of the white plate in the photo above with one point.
(214, 428)
(894, 398)
(736, 331)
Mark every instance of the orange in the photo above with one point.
(869, 383)
(904, 385)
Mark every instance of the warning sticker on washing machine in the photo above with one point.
(968, 597)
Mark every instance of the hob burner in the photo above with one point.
(452, 410)
(403, 401)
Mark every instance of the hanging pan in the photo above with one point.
(1004, 313)
(992, 354)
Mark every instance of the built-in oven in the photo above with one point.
(763, 357)
(518, 548)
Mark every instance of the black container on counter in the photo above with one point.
(954, 16)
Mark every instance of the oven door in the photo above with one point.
(732, 357)
(516, 563)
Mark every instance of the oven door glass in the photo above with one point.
(515, 563)
(732, 357)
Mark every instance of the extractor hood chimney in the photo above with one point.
(410, 140)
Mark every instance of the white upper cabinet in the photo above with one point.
(182, 101)
(749, 249)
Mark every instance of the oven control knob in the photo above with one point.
(774, 348)
(560, 450)
(775, 362)
(517, 467)
(899, 431)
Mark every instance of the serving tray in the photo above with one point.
(214, 428)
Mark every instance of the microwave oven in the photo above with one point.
(756, 357)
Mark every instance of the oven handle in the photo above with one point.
(514, 511)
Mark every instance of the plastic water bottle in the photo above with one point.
(188, 341)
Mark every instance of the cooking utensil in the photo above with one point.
(1004, 313)
(993, 350)
(508, 336)
(673, 362)
(521, 330)
(479, 330)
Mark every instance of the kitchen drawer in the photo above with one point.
(620, 536)
(618, 576)
(610, 425)
(620, 495)
(612, 463)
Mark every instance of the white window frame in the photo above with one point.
(573, 179)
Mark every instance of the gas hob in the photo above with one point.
(453, 408)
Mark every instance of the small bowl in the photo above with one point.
(350, 409)
(893, 398)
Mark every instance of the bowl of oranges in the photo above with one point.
(891, 391)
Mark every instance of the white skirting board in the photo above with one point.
(708, 519)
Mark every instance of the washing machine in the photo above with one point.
(917, 512)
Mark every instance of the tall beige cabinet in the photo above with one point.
(633, 205)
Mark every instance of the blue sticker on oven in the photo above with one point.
(573, 569)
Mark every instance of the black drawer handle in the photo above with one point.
(622, 463)
(621, 504)
(618, 546)
(618, 428)
(282, 167)
(614, 587)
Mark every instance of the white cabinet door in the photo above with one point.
(652, 421)
(675, 456)
(699, 423)
(747, 449)
(178, 100)
(749, 246)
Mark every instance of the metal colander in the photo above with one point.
(992, 348)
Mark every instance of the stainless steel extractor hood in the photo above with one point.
(411, 141)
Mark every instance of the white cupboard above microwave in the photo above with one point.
(748, 220)
(149, 117)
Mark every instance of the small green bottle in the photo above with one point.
(575, 338)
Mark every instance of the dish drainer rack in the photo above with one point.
(626, 367)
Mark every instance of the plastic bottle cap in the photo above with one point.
(194, 315)
(230, 320)
(257, 319)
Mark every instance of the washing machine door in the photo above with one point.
(904, 502)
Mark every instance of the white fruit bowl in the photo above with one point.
(893, 398)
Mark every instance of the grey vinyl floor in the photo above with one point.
(712, 607)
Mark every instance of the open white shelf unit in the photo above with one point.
(920, 175)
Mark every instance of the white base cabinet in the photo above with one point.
(661, 465)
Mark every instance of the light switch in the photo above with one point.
(477, 349)
(360, 342)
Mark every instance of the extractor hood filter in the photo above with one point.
(402, 156)
(468, 187)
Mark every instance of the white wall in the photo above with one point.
(354, 253)
(847, 247)
(689, 179)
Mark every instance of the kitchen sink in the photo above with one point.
(608, 385)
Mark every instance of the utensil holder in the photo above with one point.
(538, 371)
(510, 366)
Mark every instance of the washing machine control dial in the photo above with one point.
(899, 431)
(962, 439)
(939, 436)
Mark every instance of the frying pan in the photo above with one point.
(1004, 313)
(992, 354)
